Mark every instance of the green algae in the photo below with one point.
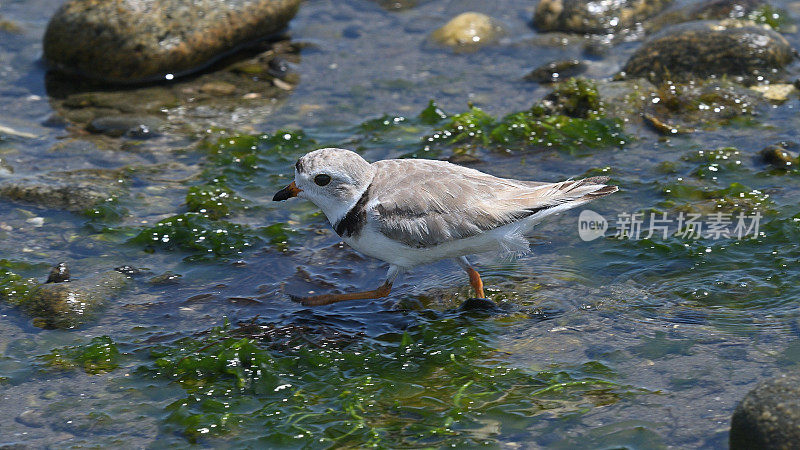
(213, 201)
(570, 118)
(432, 114)
(561, 132)
(196, 233)
(773, 17)
(233, 164)
(732, 199)
(679, 108)
(106, 211)
(14, 288)
(99, 355)
(434, 384)
(241, 158)
(527, 128)
(575, 97)
(703, 189)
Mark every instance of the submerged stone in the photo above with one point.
(677, 108)
(593, 17)
(132, 127)
(769, 416)
(74, 197)
(59, 273)
(556, 71)
(776, 92)
(778, 156)
(130, 41)
(708, 48)
(72, 303)
(469, 30)
(479, 304)
(707, 10)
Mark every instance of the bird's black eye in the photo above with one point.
(322, 179)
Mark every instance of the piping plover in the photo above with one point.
(409, 212)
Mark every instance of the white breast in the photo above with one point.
(509, 238)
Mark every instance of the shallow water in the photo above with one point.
(652, 343)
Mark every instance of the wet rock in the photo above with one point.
(218, 88)
(479, 304)
(166, 278)
(9, 26)
(464, 159)
(144, 40)
(469, 30)
(707, 10)
(8, 131)
(31, 418)
(193, 105)
(674, 108)
(556, 71)
(398, 5)
(73, 303)
(132, 127)
(5, 167)
(768, 417)
(778, 156)
(36, 222)
(708, 48)
(723, 9)
(594, 17)
(776, 92)
(59, 273)
(74, 197)
(624, 98)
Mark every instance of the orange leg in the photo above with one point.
(327, 299)
(474, 276)
(476, 282)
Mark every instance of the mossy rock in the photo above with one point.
(768, 416)
(708, 48)
(593, 17)
(73, 303)
(707, 10)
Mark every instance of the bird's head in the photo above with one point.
(332, 178)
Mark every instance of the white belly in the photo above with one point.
(373, 243)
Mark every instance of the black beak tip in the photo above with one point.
(281, 195)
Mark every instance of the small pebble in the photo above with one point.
(36, 221)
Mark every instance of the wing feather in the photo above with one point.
(424, 203)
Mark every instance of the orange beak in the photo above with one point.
(286, 193)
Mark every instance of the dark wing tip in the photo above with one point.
(594, 180)
(605, 190)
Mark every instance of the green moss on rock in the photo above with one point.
(98, 356)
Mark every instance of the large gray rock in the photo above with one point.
(705, 48)
(769, 416)
(143, 40)
(592, 16)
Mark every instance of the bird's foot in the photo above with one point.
(315, 300)
(327, 299)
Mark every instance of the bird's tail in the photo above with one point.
(551, 199)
